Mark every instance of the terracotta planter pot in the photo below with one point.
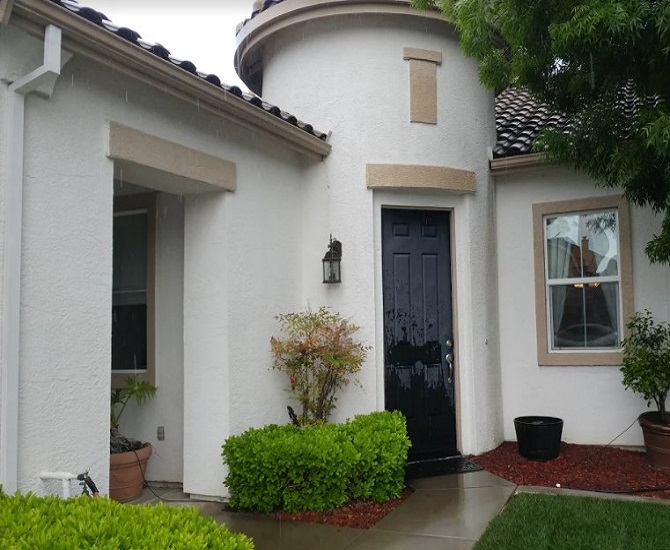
(126, 473)
(656, 440)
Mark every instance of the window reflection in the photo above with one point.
(129, 292)
(582, 268)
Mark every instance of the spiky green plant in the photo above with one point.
(135, 389)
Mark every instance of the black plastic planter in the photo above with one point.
(538, 437)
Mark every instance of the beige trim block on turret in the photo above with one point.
(422, 84)
(415, 176)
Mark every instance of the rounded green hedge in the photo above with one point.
(317, 467)
(34, 523)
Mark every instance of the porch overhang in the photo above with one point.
(139, 157)
(82, 37)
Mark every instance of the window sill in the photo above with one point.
(597, 358)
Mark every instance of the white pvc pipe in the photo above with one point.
(65, 479)
(46, 74)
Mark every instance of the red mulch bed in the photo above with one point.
(587, 467)
(360, 515)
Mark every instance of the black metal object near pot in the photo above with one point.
(538, 437)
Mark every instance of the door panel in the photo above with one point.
(416, 271)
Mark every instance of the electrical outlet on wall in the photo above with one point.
(160, 433)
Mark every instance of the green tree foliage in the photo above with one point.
(603, 63)
(320, 354)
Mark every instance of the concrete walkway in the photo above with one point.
(446, 513)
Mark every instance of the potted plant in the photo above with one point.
(128, 457)
(646, 370)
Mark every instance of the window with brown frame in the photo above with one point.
(583, 280)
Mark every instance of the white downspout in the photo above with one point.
(45, 75)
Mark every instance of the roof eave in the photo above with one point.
(84, 38)
(510, 165)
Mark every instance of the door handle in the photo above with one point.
(450, 365)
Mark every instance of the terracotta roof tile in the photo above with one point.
(520, 118)
(262, 5)
(132, 36)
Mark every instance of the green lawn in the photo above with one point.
(536, 521)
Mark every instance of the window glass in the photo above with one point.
(582, 278)
(129, 292)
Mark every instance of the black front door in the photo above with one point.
(418, 328)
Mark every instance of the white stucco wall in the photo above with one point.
(65, 310)
(206, 324)
(227, 263)
(4, 152)
(266, 278)
(347, 74)
(241, 269)
(591, 400)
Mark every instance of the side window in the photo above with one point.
(582, 280)
(133, 288)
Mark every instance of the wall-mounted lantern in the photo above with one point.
(331, 262)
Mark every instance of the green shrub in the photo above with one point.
(382, 443)
(646, 360)
(31, 522)
(317, 467)
(255, 479)
(289, 468)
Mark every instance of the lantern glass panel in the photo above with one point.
(331, 271)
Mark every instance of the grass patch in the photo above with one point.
(565, 522)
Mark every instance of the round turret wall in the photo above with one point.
(410, 127)
(343, 67)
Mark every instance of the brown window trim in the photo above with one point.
(580, 358)
(144, 201)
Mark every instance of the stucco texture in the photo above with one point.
(591, 400)
(347, 74)
(228, 262)
(67, 277)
